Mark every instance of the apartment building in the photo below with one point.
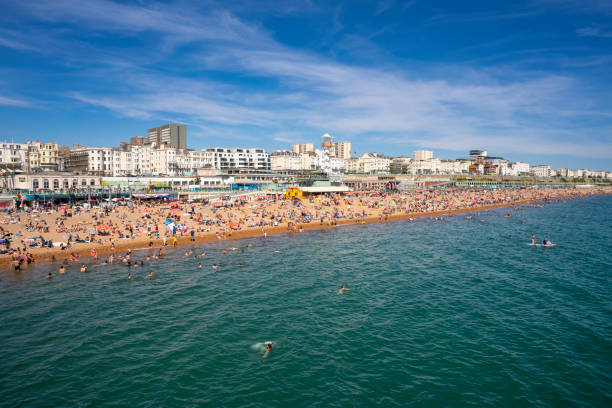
(172, 135)
(43, 156)
(285, 160)
(423, 154)
(368, 163)
(341, 150)
(14, 155)
(301, 148)
(400, 165)
(238, 158)
(542, 170)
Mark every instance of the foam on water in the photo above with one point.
(261, 347)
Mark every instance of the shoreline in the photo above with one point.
(84, 250)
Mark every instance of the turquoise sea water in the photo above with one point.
(439, 313)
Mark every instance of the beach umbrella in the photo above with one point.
(63, 207)
(175, 211)
(232, 225)
(176, 203)
(103, 227)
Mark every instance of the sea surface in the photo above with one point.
(447, 313)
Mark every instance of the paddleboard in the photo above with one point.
(538, 245)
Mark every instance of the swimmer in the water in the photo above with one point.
(130, 276)
(533, 242)
(277, 250)
(49, 275)
(83, 268)
(62, 269)
(214, 266)
(200, 265)
(268, 348)
(240, 264)
(342, 289)
(150, 275)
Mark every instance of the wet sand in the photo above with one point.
(123, 245)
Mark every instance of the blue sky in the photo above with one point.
(527, 80)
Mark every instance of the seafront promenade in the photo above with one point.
(75, 233)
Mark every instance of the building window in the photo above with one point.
(66, 184)
(35, 184)
(84, 182)
(45, 183)
(92, 182)
(55, 183)
(75, 182)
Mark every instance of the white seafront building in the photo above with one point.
(135, 160)
(519, 169)
(368, 163)
(541, 170)
(285, 160)
(238, 158)
(13, 154)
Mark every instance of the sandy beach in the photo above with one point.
(78, 234)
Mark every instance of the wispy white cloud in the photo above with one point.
(285, 93)
(593, 31)
(577, 6)
(289, 137)
(12, 43)
(8, 101)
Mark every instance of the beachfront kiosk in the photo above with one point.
(293, 192)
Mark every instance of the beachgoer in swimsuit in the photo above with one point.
(267, 351)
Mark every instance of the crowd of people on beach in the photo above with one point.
(67, 231)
